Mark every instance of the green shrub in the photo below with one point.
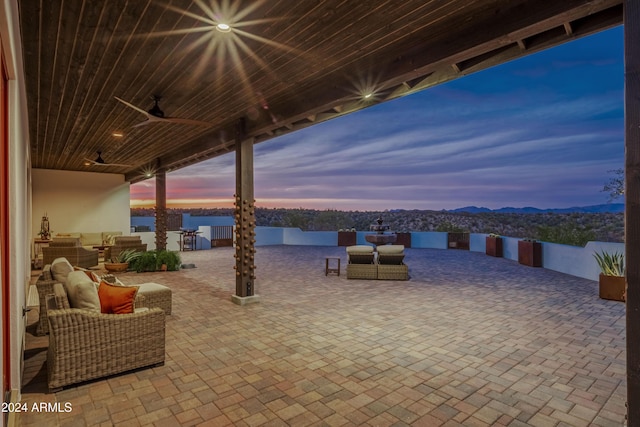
(449, 227)
(566, 234)
(146, 262)
(169, 258)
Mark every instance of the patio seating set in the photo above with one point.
(386, 262)
(83, 249)
(98, 326)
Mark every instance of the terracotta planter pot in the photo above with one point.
(116, 267)
(530, 253)
(612, 287)
(494, 246)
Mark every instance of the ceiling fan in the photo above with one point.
(100, 162)
(155, 114)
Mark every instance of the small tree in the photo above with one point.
(615, 185)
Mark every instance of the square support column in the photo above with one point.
(632, 203)
(161, 210)
(244, 220)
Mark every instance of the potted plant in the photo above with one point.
(612, 284)
(494, 245)
(147, 262)
(167, 260)
(530, 252)
(121, 262)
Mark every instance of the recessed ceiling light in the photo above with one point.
(368, 95)
(223, 28)
(117, 134)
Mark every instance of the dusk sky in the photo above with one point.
(541, 131)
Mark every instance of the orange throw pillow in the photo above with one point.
(116, 299)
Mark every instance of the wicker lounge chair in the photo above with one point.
(71, 249)
(361, 262)
(390, 263)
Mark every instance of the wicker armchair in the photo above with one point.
(121, 243)
(71, 249)
(361, 262)
(86, 345)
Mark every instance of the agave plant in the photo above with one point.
(128, 255)
(610, 264)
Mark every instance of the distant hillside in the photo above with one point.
(606, 208)
(606, 226)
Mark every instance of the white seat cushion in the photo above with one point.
(390, 249)
(361, 249)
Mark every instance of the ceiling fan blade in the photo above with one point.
(185, 121)
(94, 163)
(132, 106)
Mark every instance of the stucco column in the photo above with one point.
(244, 220)
(161, 210)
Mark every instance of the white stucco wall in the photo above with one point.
(80, 201)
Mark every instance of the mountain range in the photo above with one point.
(605, 208)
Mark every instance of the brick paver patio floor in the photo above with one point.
(469, 340)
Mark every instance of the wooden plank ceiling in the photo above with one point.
(283, 65)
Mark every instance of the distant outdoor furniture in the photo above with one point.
(221, 235)
(361, 262)
(331, 269)
(38, 244)
(458, 240)
(121, 243)
(188, 240)
(71, 249)
(391, 264)
(90, 239)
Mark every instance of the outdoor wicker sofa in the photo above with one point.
(70, 248)
(86, 345)
(87, 340)
(149, 294)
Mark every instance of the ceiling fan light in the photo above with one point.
(223, 28)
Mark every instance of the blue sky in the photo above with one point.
(541, 131)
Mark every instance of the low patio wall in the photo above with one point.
(572, 260)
